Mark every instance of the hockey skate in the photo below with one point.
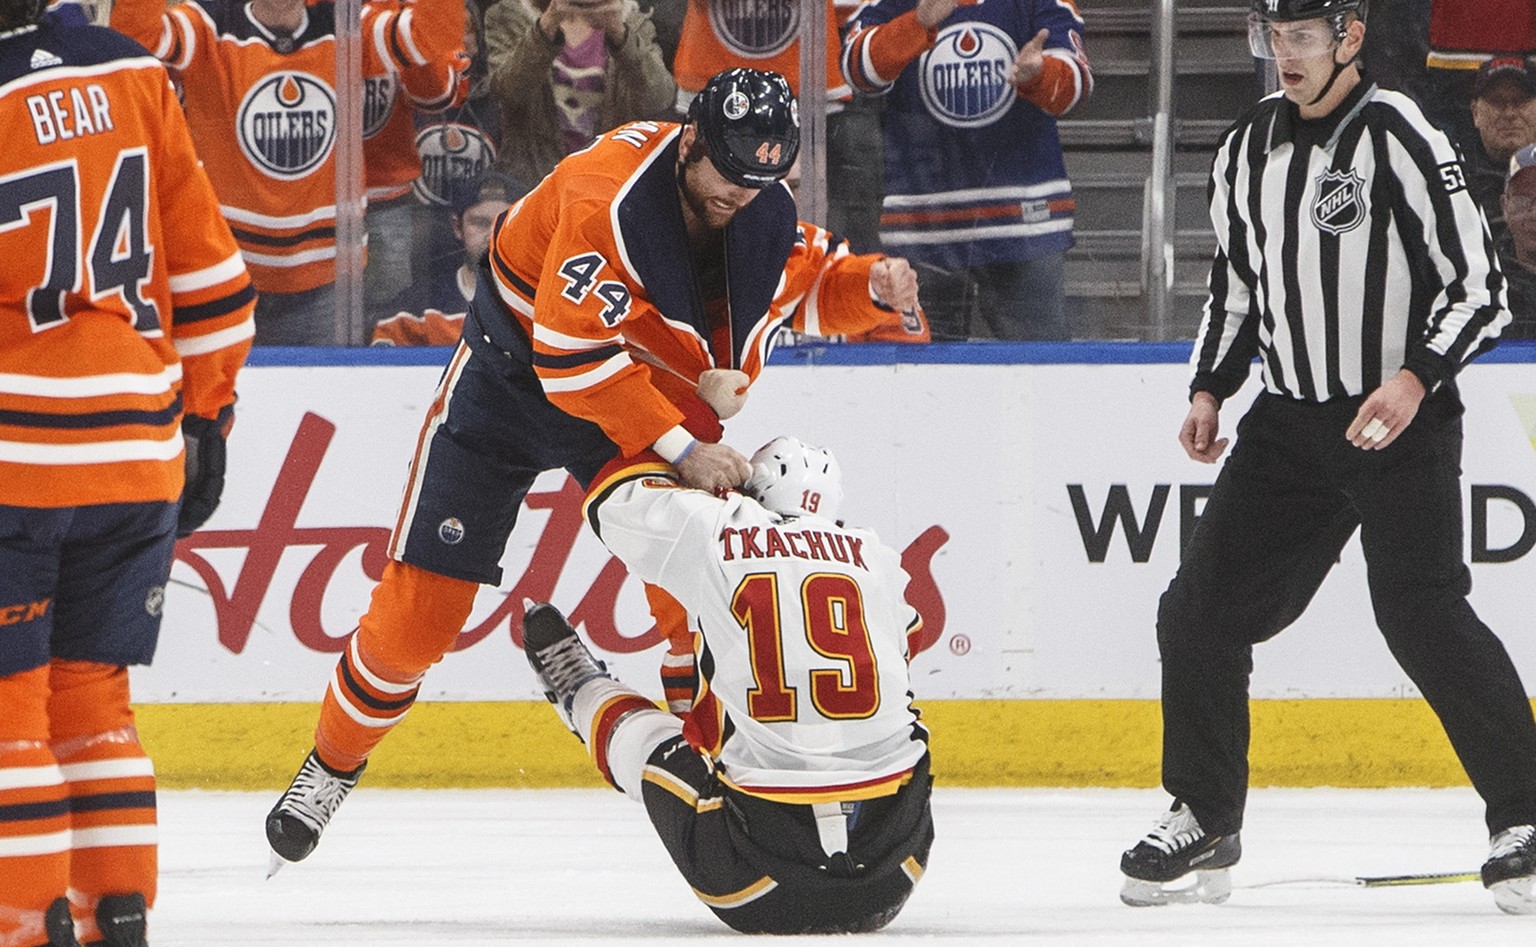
(1176, 847)
(558, 657)
(121, 920)
(295, 823)
(1511, 869)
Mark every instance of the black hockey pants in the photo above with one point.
(1289, 497)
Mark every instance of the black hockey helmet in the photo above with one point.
(17, 13)
(1264, 12)
(750, 122)
(1286, 10)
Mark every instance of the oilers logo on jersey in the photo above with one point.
(450, 152)
(287, 124)
(378, 102)
(755, 29)
(964, 77)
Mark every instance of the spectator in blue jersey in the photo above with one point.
(431, 311)
(976, 190)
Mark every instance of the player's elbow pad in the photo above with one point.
(205, 457)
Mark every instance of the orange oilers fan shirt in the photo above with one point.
(262, 109)
(418, 49)
(114, 316)
(761, 34)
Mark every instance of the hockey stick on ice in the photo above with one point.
(1374, 881)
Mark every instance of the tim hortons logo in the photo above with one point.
(276, 531)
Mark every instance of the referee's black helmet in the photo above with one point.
(1287, 10)
(750, 123)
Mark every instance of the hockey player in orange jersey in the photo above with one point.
(125, 314)
(259, 84)
(627, 303)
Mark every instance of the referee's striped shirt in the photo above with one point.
(1348, 248)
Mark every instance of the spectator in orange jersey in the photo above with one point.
(627, 304)
(431, 312)
(391, 103)
(258, 83)
(455, 147)
(565, 70)
(125, 315)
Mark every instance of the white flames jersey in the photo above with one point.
(801, 636)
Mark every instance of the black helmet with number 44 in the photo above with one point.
(1263, 38)
(750, 123)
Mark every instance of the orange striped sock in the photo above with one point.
(34, 839)
(34, 811)
(111, 782)
(679, 668)
(412, 620)
(361, 705)
(115, 839)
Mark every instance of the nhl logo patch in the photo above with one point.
(451, 531)
(1339, 205)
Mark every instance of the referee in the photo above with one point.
(1353, 262)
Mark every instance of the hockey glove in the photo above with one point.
(724, 390)
(205, 468)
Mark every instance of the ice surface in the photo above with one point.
(482, 867)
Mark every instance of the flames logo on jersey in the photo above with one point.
(1339, 206)
(287, 124)
(378, 102)
(963, 79)
(450, 152)
(756, 29)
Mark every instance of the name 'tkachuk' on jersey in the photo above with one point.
(804, 692)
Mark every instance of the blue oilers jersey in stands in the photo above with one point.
(973, 168)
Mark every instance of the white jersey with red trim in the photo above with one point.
(801, 636)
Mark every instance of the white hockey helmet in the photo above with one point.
(793, 478)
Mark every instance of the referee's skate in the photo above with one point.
(1175, 848)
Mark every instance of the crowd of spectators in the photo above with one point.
(942, 143)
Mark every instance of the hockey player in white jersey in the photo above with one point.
(795, 799)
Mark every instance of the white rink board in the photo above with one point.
(989, 454)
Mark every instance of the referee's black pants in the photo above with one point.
(1289, 497)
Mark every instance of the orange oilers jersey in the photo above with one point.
(761, 34)
(123, 299)
(594, 265)
(415, 61)
(262, 108)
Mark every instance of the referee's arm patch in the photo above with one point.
(1452, 177)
